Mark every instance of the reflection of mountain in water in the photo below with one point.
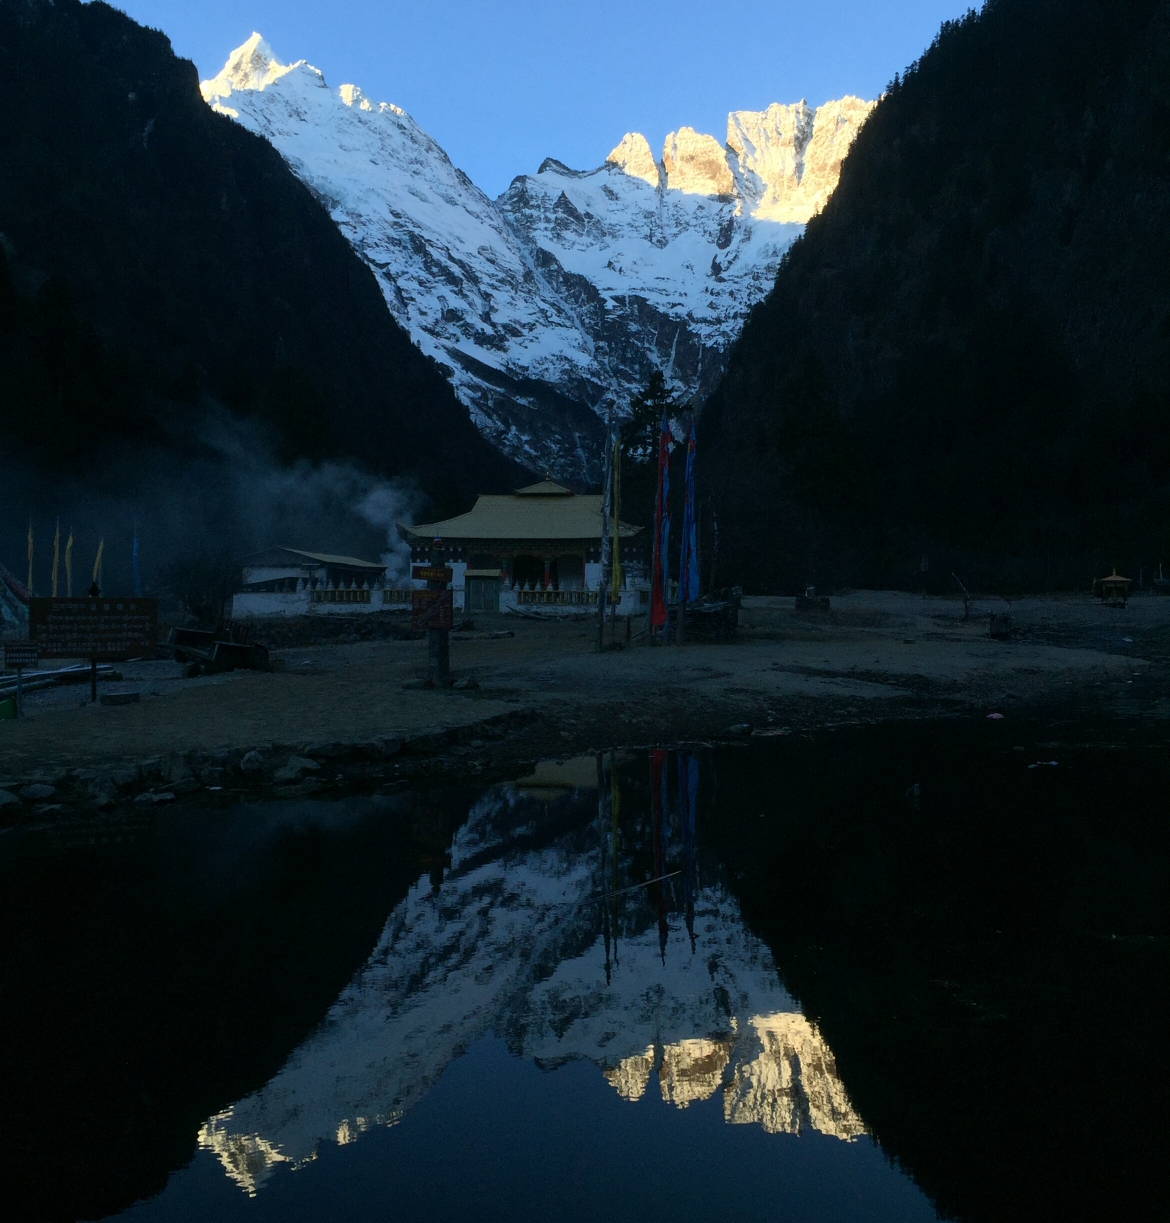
(505, 945)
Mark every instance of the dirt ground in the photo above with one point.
(875, 655)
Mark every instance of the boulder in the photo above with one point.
(294, 769)
(252, 763)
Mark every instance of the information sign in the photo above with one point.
(21, 654)
(430, 573)
(432, 609)
(101, 628)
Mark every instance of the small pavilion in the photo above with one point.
(538, 545)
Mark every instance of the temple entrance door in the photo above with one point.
(482, 594)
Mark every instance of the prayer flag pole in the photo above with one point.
(56, 556)
(30, 557)
(615, 578)
(688, 560)
(660, 569)
(69, 565)
(606, 508)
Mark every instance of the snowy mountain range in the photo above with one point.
(566, 292)
(506, 946)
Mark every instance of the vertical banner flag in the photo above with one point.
(56, 555)
(137, 581)
(688, 558)
(69, 565)
(97, 563)
(615, 582)
(660, 570)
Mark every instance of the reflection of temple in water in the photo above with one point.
(551, 942)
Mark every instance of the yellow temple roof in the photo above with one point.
(543, 511)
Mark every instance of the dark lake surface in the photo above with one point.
(899, 972)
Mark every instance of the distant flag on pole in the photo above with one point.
(688, 558)
(69, 565)
(137, 580)
(97, 563)
(660, 570)
(56, 555)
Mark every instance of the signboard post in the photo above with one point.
(20, 654)
(94, 627)
(434, 610)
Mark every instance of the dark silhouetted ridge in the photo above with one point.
(966, 359)
(157, 255)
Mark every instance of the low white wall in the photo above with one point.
(250, 603)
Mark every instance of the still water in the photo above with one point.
(899, 973)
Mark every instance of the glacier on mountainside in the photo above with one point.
(563, 295)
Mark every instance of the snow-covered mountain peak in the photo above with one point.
(575, 285)
(250, 66)
(352, 95)
(633, 155)
(696, 164)
(787, 159)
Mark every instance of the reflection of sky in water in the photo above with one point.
(506, 946)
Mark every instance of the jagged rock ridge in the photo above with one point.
(573, 286)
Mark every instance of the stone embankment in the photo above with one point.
(268, 770)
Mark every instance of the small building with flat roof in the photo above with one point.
(537, 547)
(293, 582)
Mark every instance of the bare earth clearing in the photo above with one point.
(546, 692)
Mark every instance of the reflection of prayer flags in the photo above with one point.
(56, 555)
(69, 565)
(659, 798)
(660, 570)
(688, 785)
(30, 556)
(688, 559)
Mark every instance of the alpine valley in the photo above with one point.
(568, 291)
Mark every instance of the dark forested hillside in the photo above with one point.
(965, 362)
(157, 260)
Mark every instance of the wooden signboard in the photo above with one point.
(432, 609)
(21, 654)
(430, 573)
(102, 628)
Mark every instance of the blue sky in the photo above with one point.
(502, 84)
